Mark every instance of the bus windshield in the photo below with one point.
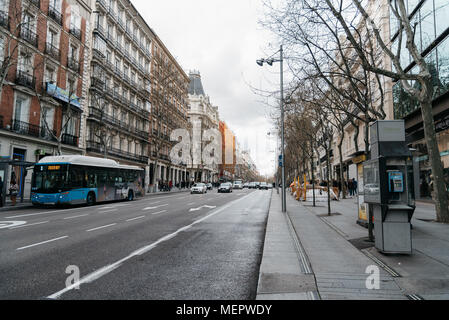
(50, 179)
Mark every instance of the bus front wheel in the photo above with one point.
(90, 199)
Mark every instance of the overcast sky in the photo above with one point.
(222, 39)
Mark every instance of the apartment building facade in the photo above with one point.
(118, 116)
(169, 98)
(202, 116)
(229, 157)
(44, 52)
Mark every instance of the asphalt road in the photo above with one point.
(178, 246)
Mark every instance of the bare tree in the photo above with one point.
(423, 92)
(11, 19)
(69, 114)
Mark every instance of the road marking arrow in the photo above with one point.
(198, 209)
(10, 224)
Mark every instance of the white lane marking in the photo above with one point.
(154, 202)
(105, 208)
(198, 209)
(189, 204)
(31, 224)
(102, 227)
(156, 207)
(141, 217)
(9, 224)
(48, 212)
(74, 217)
(112, 210)
(43, 242)
(159, 212)
(109, 268)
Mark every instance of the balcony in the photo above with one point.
(99, 29)
(28, 129)
(99, 148)
(73, 64)
(102, 3)
(53, 51)
(37, 3)
(117, 72)
(29, 36)
(4, 19)
(121, 23)
(112, 13)
(69, 140)
(25, 79)
(97, 82)
(75, 31)
(55, 14)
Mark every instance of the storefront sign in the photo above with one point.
(62, 94)
(359, 159)
(426, 157)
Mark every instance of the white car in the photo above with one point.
(198, 188)
(238, 185)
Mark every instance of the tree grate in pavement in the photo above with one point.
(362, 243)
(324, 215)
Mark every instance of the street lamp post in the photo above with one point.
(270, 62)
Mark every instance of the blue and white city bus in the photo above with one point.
(78, 179)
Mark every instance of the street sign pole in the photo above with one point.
(284, 198)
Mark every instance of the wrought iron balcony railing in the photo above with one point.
(29, 35)
(55, 14)
(25, 79)
(52, 51)
(69, 139)
(74, 30)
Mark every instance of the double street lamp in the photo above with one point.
(270, 62)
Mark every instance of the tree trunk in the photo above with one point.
(342, 179)
(328, 160)
(439, 186)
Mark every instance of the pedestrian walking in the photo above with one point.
(13, 191)
(354, 185)
(350, 188)
(170, 185)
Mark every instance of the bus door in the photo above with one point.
(78, 184)
(102, 179)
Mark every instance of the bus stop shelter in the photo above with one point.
(8, 168)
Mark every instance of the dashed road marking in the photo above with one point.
(43, 242)
(154, 213)
(156, 207)
(102, 227)
(136, 218)
(29, 225)
(74, 217)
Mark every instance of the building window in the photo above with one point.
(22, 108)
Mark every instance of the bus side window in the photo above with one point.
(102, 176)
(76, 178)
(91, 178)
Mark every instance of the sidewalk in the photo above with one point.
(426, 271)
(326, 265)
